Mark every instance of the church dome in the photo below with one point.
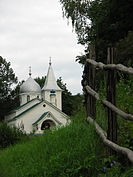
(30, 85)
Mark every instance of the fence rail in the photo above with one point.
(119, 67)
(88, 82)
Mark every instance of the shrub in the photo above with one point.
(9, 135)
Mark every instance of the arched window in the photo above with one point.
(28, 98)
(47, 124)
(37, 96)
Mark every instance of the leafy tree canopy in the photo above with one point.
(7, 79)
(40, 81)
(99, 22)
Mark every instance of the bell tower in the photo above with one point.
(51, 91)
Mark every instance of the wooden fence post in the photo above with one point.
(111, 96)
(92, 82)
(89, 79)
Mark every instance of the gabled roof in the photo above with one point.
(40, 118)
(17, 108)
(25, 111)
(50, 83)
(43, 116)
(57, 109)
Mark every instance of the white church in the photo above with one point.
(39, 109)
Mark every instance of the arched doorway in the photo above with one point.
(47, 124)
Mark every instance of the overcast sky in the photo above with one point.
(33, 30)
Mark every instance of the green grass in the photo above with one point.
(65, 152)
(71, 151)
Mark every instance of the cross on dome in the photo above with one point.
(30, 71)
(50, 62)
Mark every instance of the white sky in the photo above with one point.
(33, 30)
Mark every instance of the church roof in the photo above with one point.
(25, 111)
(43, 116)
(50, 83)
(35, 105)
(30, 85)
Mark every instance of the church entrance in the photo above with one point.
(47, 124)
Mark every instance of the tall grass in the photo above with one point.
(71, 151)
(68, 151)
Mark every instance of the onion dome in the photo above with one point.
(30, 85)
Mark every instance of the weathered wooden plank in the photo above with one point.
(112, 145)
(119, 67)
(96, 64)
(109, 105)
(111, 97)
(92, 55)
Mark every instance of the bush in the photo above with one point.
(9, 135)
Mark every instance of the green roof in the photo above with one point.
(43, 115)
(40, 118)
(57, 109)
(17, 108)
(25, 111)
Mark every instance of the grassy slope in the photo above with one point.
(74, 151)
(65, 152)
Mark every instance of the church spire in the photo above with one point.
(50, 83)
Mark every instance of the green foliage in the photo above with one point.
(128, 173)
(70, 103)
(125, 50)
(9, 135)
(69, 151)
(125, 103)
(66, 97)
(7, 79)
(40, 81)
(102, 23)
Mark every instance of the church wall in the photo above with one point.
(11, 115)
(59, 99)
(40, 124)
(46, 96)
(30, 104)
(30, 117)
(22, 109)
(56, 113)
(23, 97)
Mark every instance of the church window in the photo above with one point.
(44, 105)
(47, 124)
(28, 98)
(37, 96)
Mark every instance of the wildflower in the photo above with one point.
(111, 164)
(104, 168)
(114, 162)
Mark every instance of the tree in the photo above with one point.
(67, 104)
(40, 81)
(7, 79)
(125, 50)
(99, 22)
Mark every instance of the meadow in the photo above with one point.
(72, 151)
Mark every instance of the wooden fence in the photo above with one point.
(88, 83)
